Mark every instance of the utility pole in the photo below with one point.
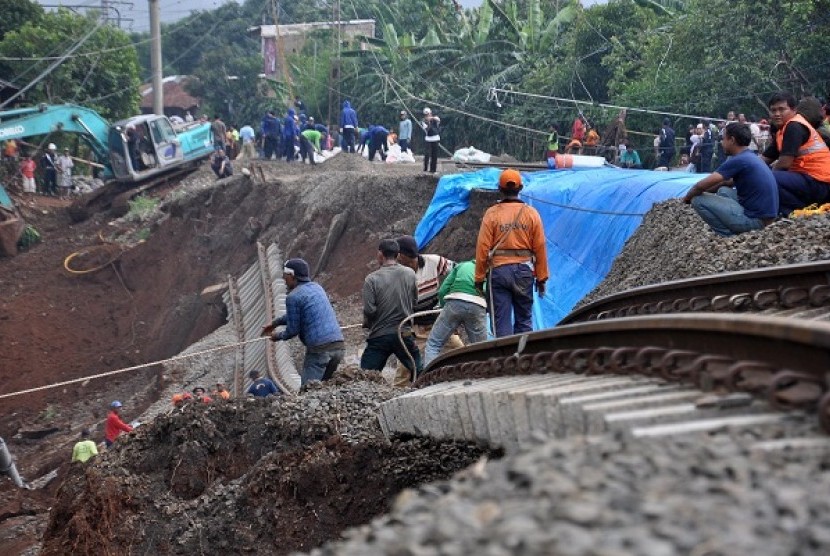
(155, 56)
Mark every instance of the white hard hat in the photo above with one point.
(52, 147)
(427, 111)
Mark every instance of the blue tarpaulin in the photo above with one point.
(603, 208)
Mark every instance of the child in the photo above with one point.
(27, 169)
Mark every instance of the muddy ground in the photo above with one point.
(146, 305)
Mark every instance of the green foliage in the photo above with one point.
(16, 13)
(230, 86)
(141, 208)
(102, 74)
(676, 56)
(30, 237)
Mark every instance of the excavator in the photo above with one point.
(127, 152)
(130, 150)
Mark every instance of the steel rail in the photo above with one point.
(786, 361)
(769, 289)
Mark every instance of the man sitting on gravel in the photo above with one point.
(389, 296)
(310, 315)
(798, 156)
(752, 203)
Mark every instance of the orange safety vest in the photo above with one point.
(813, 157)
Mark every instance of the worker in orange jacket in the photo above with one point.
(511, 249)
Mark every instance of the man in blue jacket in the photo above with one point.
(270, 128)
(348, 126)
(289, 135)
(310, 316)
(377, 142)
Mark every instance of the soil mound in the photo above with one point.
(248, 475)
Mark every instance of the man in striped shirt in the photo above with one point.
(430, 271)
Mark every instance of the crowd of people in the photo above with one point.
(298, 137)
(55, 169)
(757, 170)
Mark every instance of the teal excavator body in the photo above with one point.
(132, 150)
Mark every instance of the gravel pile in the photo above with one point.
(607, 496)
(677, 244)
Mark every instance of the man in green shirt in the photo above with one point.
(553, 141)
(461, 303)
(629, 158)
(309, 144)
(84, 449)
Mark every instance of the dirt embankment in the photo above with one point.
(146, 306)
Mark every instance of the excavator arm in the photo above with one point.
(47, 119)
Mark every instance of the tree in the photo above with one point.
(16, 13)
(229, 83)
(102, 74)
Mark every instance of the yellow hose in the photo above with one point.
(67, 260)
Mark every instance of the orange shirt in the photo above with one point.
(526, 234)
(813, 157)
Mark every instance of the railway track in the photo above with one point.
(741, 349)
(799, 290)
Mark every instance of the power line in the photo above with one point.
(52, 66)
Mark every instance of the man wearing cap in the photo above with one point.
(511, 249)
(114, 425)
(432, 129)
(309, 315)
(404, 131)
(430, 271)
(389, 296)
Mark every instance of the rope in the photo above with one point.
(603, 105)
(126, 369)
(582, 209)
(143, 366)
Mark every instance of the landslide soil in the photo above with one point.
(146, 305)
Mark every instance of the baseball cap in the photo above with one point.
(408, 246)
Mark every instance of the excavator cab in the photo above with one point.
(143, 146)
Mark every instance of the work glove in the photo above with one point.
(541, 288)
(480, 288)
(267, 329)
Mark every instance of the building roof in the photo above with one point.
(175, 95)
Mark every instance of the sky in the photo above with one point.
(173, 10)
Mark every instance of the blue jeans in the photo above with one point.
(724, 213)
(454, 313)
(796, 191)
(512, 287)
(404, 144)
(321, 365)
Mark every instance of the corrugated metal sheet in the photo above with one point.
(250, 313)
